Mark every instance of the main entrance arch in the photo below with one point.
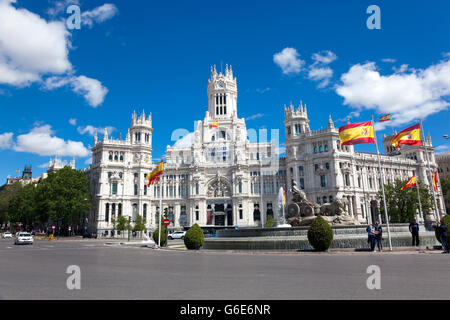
(219, 203)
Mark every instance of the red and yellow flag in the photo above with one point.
(213, 125)
(410, 136)
(435, 181)
(155, 174)
(356, 133)
(410, 183)
(385, 118)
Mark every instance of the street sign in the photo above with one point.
(166, 222)
(70, 228)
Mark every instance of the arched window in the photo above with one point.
(326, 148)
(119, 210)
(107, 212)
(135, 211)
(315, 149)
(145, 190)
(321, 148)
(121, 157)
(110, 156)
(135, 189)
(116, 157)
(144, 214)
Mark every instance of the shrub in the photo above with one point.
(194, 238)
(269, 222)
(446, 219)
(164, 235)
(320, 234)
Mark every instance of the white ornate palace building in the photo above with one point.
(213, 177)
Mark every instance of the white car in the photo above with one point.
(24, 238)
(7, 235)
(177, 235)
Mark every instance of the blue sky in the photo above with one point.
(154, 55)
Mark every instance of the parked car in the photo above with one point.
(7, 235)
(24, 238)
(90, 235)
(177, 235)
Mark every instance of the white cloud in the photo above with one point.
(262, 91)
(388, 60)
(91, 89)
(30, 46)
(324, 57)
(60, 7)
(322, 74)
(407, 96)
(288, 60)
(73, 121)
(319, 71)
(99, 14)
(42, 141)
(6, 140)
(255, 116)
(442, 148)
(91, 130)
(88, 161)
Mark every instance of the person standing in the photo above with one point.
(414, 229)
(379, 236)
(442, 229)
(371, 236)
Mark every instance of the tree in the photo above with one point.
(269, 222)
(320, 234)
(22, 206)
(122, 224)
(194, 238)
(65, 195)
(164, 235)
(6, 195)
(445, 185)
(403, 205)
(139, 225)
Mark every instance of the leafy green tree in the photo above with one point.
(65, 195)
(6, 195)
(403, 204)
(445, 185)
(122, 224)
(22, 206)
(164, 235)
(139, 225)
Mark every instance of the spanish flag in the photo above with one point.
(356, 133)
(155, 174)
(410, 136)
(385, 118)
(410, 183)
(214, 125)
(435, 181)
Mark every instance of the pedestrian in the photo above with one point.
(371, 236)
(379, 236)
(442, 229)
(414, 229)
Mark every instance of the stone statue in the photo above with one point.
(337, 207)
(297, 194)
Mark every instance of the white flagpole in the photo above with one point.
(160, 211)
(382, 188)
(429, 170)
(420, 202)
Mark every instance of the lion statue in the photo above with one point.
(337, 207)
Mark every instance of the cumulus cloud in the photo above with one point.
(319, 71)
(262, 91)
(91, 89)
(99, 14)
(73, 121)
(30, 46)
(388, 60)
(42, 141)
(59, 7)
(6, 140)
(406, 95)
(288, 60)
(442, 148)
(32, 49)
(91, 130)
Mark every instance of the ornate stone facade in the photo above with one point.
(216, 177)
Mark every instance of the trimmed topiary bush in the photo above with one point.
(270, 222)
(447, 223)
(164, 235)
(194, 238)
(320, 235)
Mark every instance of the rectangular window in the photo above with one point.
(114, 188)
(302, 183)
(323, 181)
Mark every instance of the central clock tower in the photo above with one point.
(222, 94)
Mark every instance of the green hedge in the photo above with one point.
(320, 235)
(446, 219)
(194, 238)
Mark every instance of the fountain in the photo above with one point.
(280, 221)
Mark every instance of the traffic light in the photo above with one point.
(166, 212)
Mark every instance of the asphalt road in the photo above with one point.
(118, 272)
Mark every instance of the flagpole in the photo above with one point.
(429, 170)
(382, 188)
(420, 202)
